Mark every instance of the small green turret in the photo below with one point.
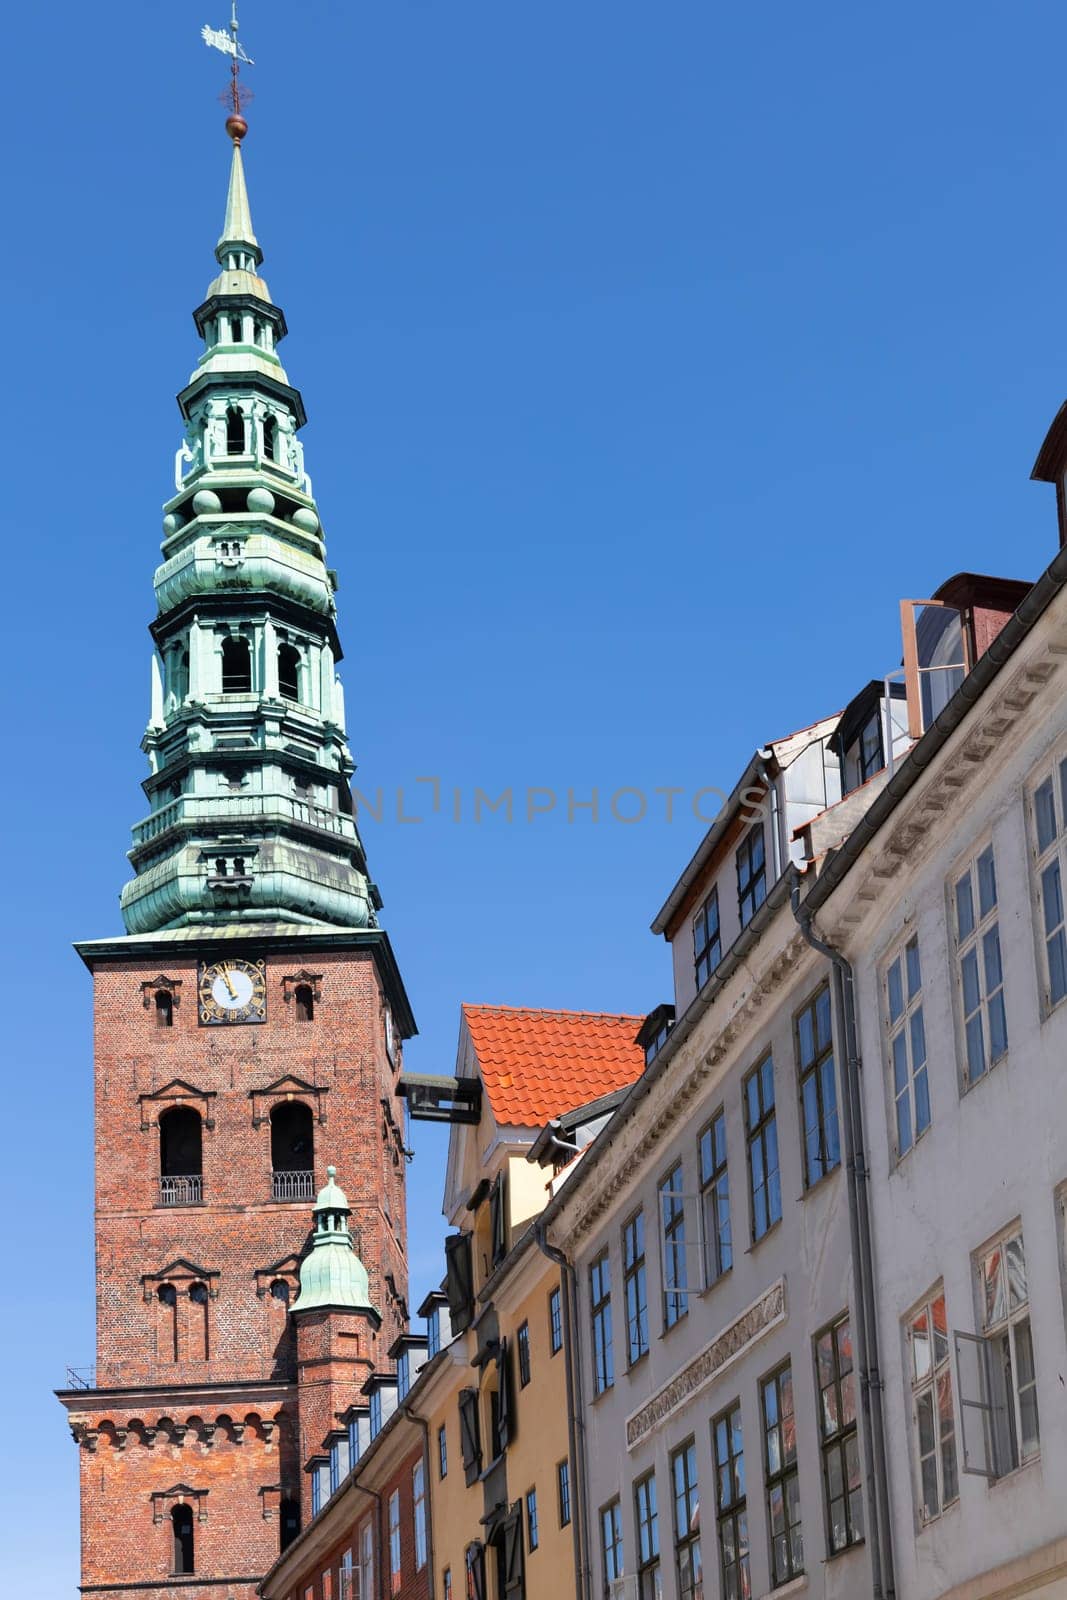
(332, 1277)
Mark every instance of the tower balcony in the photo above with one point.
(292, 1185)
(192, 811)
(182, 1191)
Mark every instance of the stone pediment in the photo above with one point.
(289, 1087)
(179, 1091)
(184, 1271)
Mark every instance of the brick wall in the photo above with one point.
(220, 1257)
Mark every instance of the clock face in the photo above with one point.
(232, 991)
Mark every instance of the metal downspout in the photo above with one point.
(575, 1414)
(880, 1534)
(424, 1424)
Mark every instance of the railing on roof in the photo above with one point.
(193, 806)
(81, 1377)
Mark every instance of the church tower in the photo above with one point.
(248, 1026)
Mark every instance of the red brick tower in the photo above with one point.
(247, 1026)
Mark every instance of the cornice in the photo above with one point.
(916, 823)
(713, 1042)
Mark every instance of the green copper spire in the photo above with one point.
(332, 1277)
(250, 815)
(237, 231)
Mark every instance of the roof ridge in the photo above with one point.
(547, 1011)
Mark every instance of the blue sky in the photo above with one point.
(651, 355)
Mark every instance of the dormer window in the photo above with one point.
(751, 874)
(707, 942)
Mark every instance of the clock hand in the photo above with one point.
(226, 980)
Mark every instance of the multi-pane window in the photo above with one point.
(731, 1506)
(345, 1577)
(818, 1088)
(418, 1511)
(635, 1288)
(715, 1200)
(600, 1312)
(780, 1471)
(442, 1452)
(522, 1339)
(532, 1536)
(1011, 1382)
(933, 1413)
(686, 1522)
(707, 941)
(869, 746)
(446, 1584)
(840, 1440)
(555, 1322)
(751, 874)
(672, 1222)
(907, 1045)
(613, 1565)
(649, 1580)
(765, 1185)
(563, 1491)
(366, 1559)
(981, 977)
(1050, 867)
(394, 1542)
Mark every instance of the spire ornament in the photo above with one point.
(236, 96)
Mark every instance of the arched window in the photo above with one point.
(289, 671)
(292, 1150)
(279, 1290)
(180, 1157)
(236, 665)
(235, 432)
(182, 1560)
(304, 998)
(270, 438)
(221, 868)
(164, 1008)
(289, 1518)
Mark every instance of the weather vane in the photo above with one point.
(236, 96)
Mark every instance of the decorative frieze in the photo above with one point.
(759, 1318)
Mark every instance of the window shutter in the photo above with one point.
(470, 1433)
(498, 1219)
(459, 1281)
(980, 1425)
(505, 1397)
(514, 1571)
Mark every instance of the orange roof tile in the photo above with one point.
(541, 1064)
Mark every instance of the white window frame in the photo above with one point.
(988, 1369)
(418, 1512)
(929, 1376)
(1048, 865)
(980, 939)
(899, 1034)
(366, 1560)
(395, 1549)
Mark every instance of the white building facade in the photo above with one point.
(818, 1256)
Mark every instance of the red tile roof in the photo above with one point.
(541, 1064)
